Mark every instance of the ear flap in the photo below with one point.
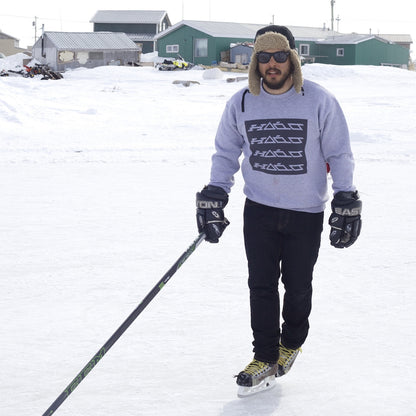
(253, 76)
(297, 71)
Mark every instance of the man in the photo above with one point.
(289, 131)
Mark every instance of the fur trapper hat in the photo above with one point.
(277, 38)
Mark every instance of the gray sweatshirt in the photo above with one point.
(286, 141)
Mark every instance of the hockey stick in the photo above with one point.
(113, 339)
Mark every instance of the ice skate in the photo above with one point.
(256, 377)
(287, 357)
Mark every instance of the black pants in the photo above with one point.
(278, 243)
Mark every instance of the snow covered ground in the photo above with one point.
(98, 174)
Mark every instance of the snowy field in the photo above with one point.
(98, 174)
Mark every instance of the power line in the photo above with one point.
(43, 18)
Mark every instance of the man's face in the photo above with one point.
(277, 77)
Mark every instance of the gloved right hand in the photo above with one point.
(345, 220)
(210, 203)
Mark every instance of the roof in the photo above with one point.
(128, 16)
(217, 29)
(355, 38)
(6, 36)
(301, 33)
(312, 33)
(350, 39)
(245, 30)
(91, 40)
(399, 38)
(141, 37)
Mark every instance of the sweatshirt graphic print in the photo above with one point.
(278, 146)
(285, 142)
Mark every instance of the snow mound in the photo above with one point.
(13, 62)
(213, 73)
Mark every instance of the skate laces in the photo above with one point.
(287, 355)
(256, 367)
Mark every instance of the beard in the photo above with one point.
(276, 85)
(277, 80)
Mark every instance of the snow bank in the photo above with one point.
(13, 62)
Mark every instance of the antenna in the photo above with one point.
(332, 14)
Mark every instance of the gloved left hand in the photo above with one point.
(345, 220)
(210, 203)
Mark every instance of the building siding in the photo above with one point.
(147, 28)
(357, 49)
(69, 52)
(370, 52)
(327, 54)
(375, 52)
(140, 25)
(185, 37)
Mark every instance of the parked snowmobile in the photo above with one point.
(30, 72)
(171, 65)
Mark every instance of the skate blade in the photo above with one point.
(266, 384)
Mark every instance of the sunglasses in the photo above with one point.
(280, 57)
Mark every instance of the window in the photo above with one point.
(172, 48)
(340, 51)
(96, 55)
(66, 56)
(82, 57)
(304, 49)
(201, 48)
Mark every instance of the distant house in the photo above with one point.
(240, 53)
(64, 50)
(355, 49)
(205, 43)
(9, 45)
(400, 39)
(140, 25)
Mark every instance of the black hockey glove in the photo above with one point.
(210, 203)
(345, 220)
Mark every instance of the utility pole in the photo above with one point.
(332, 14)
(35, 24)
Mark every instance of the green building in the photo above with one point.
(203, 42)
(355, 49)
(207, 43)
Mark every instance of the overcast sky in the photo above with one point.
(360, 16)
